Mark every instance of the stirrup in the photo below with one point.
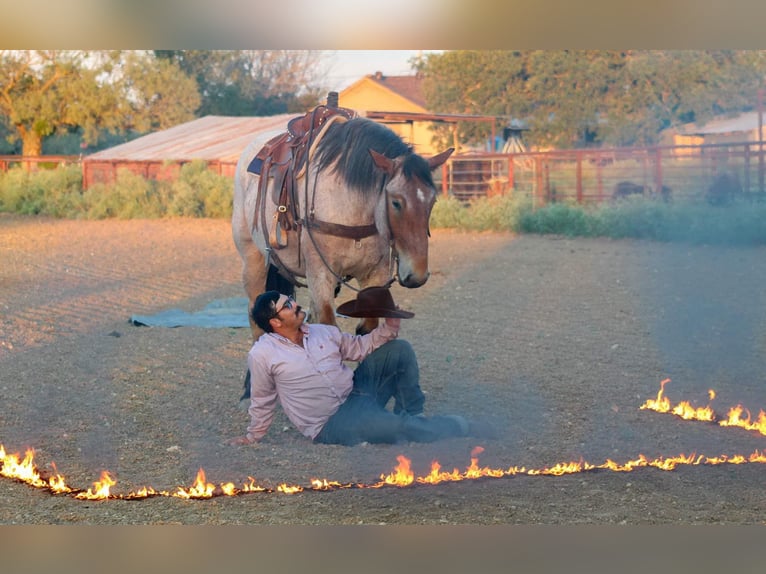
(277, 237)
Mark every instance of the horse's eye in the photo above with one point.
(397, 204)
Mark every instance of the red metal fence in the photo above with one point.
(577, 176)
(31, 163)
(593, 175)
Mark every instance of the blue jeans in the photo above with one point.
(391, 371)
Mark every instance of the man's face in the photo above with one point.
(288, 311)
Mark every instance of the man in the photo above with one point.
(301, 365)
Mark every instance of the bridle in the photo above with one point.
(355, 232)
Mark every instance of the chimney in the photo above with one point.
(378, 75)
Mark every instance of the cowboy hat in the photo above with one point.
(373, 302)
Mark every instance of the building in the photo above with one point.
(404, 94)
(742, 128)
(217, 140)
(399, 102)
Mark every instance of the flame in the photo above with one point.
(200, 489)
(660, 404)
(688, 412)
(734, 417)
(57, 483)
(100, 488)
(24, 470)
(288, 489)
(229, 489)
(251, 486)
(324, 484)
(402, 475)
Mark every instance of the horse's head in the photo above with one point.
(405, 208)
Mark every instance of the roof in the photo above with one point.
(745, 122)
(208, 138)
(409, 87)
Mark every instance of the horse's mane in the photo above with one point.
(349, 143)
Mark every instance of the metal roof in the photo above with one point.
(208, 138)
(742, 123)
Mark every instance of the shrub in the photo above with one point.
(56, 192)
(199, 192)
(130, 196)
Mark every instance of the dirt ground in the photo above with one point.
(555, 341)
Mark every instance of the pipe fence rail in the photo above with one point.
(596, 175)
(575, 176)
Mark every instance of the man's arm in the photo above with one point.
(357, 347)
(263, 400)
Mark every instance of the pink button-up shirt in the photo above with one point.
(311, 382)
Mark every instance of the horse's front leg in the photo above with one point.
(322, 295)
(378, 278)
(366, 325)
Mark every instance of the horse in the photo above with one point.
(357, 208)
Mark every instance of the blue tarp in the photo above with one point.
(216, 315)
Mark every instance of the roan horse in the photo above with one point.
(351, 200)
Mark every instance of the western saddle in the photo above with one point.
(284, 158)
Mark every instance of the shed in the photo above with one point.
(741, 128)
(217, 140)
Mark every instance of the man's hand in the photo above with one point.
(240, 440)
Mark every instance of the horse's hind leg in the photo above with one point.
(254, 273)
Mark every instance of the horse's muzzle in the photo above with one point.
(412, 281)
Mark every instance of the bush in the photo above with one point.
(130, 196)
(199, 192)
(482, 214)
(56, 192)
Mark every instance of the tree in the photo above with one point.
(595, 97)
(474, 82)
(42, 92)
(251, 82)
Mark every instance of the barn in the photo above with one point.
(217, 140)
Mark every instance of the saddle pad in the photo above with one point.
(255, 166)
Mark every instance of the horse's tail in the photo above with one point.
(276, 281)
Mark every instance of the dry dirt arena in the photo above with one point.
(556, 341)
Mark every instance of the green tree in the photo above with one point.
(594, 97)
(474, 82)
(251, 82)
(44, 92)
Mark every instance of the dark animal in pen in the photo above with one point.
(626, 189)
(724, 190)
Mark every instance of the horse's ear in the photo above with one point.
(439, 159)
(383, 162)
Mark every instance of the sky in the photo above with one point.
(347, 66)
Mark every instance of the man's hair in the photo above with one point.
(263, 309)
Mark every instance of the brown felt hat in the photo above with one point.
(373, 302)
